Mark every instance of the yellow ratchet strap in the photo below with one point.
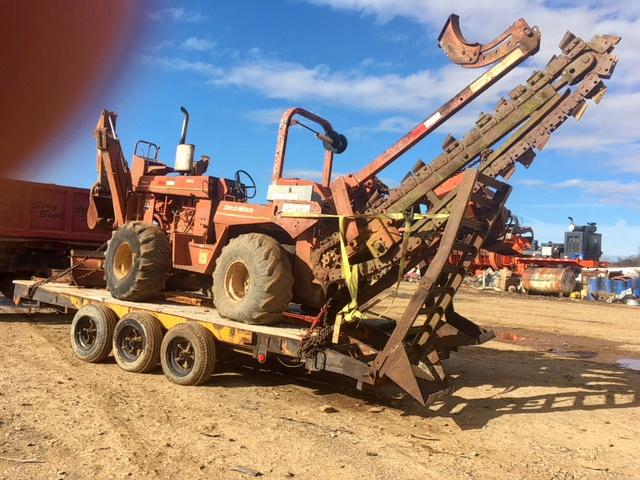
(350, 312)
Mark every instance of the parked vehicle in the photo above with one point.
(40, 224)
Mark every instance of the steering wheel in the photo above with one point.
(244, 187)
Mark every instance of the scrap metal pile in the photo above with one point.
(353, 238)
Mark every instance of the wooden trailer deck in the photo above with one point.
(237, 334)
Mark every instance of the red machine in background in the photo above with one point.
(517, 250)
(505, 252)
(39, 226)
(551, 268)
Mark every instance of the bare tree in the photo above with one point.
(628, 261)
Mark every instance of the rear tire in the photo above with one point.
(188, 354)
(136, 342)
(137, 262)
(92, 333)
(253, 280)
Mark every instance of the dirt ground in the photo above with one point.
(545, 399)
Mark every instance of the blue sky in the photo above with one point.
(373, 69)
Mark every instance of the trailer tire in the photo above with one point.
(253, 280)
(188, 354)
(137, 262)
(136, 342)
(92, 333)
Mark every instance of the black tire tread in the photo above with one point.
(154, 262)
(149, 359)
(203, 342)
(276, 284)
(102, 314)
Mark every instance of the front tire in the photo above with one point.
(92, 333)
(137, 262)
(253, 280)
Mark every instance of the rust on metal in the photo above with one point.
(464, 185)
(558, 281)
(476, 55)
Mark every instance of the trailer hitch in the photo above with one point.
(477, 55)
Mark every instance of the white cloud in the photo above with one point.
(372, 62)
(177, 14)
(626, 160)
(419, 93)
(198, 44)
(394, 124)
(296, 82)
(266, 116)
(596, 192)
(605, 125)
(531, 182)
(181, 65)
(483, 20)
(162, 45)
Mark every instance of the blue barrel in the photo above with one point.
(607, 285)
(619, 286)
(595, 284)
(635, 286)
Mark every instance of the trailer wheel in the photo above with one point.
(137, 262)
(188, 354)
(92, 332)
(136, 342)
(253, 279)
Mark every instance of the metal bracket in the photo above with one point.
(477, 55)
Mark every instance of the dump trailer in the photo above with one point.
(328, 253)
(40, 224)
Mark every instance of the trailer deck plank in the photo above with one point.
(81, 296)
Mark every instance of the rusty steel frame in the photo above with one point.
(281, 145)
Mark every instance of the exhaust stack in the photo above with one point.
(184, 151)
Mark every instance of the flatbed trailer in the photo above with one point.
(289, 341)
(282, 339)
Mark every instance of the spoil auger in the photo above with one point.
(352, 237)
